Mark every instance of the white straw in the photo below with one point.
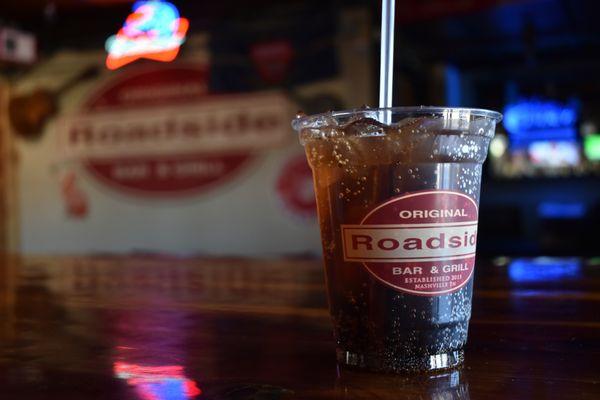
(386, 71)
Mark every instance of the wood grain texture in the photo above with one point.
(165, 329)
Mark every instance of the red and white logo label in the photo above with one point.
(421, 243)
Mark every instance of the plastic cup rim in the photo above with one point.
(308, 121)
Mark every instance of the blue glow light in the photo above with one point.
(538, 120)
(555, 210)
(543, 269)
(453, 91)
(157, 17)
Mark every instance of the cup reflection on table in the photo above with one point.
(443, 385)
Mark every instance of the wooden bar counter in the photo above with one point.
(158, 328)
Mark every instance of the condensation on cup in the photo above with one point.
(397, 193)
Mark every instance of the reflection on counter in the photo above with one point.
(451, 384)
(148, 358)
(165, 382)
(128, 329)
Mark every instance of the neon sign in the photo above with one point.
(539, 120)
(153, 30)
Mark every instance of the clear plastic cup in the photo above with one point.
(397, 193)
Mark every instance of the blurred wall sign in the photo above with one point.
(153, 30)
(17, 46)
(156, 132)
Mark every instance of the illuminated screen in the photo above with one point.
(554, 154)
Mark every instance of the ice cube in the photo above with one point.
(415, 125)
(364, 127)
(324, 120)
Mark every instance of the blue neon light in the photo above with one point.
(159, 20)
(553, 210)
(453, 91)
(543, 269)
(539, 120)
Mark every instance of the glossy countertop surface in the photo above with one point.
(159, 328)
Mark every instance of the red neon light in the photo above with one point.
(153, 31)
